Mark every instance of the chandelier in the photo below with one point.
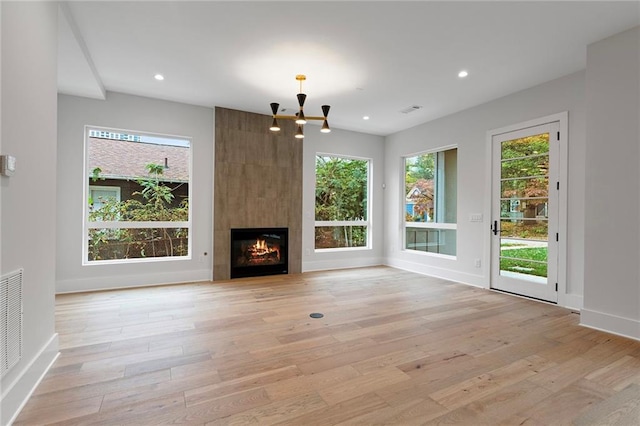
(300, 118)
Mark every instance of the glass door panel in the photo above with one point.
(524, 214)
(524, 174)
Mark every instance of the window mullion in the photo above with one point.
(135, 225)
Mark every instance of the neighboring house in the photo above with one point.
(122, 162)
(419, 200)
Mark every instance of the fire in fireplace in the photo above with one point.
(258, 251)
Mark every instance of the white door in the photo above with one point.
(525, 212)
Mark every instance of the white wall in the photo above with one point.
(612, 219)
(468, 130)
(135, 113)
(29, 85)
(342, 142)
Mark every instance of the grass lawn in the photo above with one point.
(525, 260)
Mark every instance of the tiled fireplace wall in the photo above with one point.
(258, 183)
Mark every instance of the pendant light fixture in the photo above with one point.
(299, 118)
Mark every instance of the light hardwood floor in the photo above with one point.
(393, 348)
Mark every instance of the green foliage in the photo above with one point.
(341, 194)
(155, 206)
(527, 158)
(528, 253)
(527, 146)
(341, 188)
(529, 229)
(417, 168)
(525, 260)
(95, 174)
(340, 236)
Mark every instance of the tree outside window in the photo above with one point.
(430, 205)
(341, 206)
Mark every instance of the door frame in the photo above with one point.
(563, 162)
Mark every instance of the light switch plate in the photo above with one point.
(475, 217)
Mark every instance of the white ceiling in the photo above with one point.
(363, 58)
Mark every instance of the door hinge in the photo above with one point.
(558, 186)
(558, 136)
(557, 237)
(556, 286)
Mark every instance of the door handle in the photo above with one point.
(495, 229)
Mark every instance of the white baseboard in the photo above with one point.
(16, 394)
(626, 327)
(325, 265)
(570, 301)
(433, 271)
(573, 301)
(107, 282)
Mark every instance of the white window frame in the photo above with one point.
(87, 225)
(437, 200)
(331, 223)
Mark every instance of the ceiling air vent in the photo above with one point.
(410, 109)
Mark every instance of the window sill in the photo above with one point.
(431, 254)
(341, 249)
(137, 260)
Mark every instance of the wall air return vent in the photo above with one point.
(410, 109)
(10, 320)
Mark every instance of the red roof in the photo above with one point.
(127, 160)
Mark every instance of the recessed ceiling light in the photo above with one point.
(159, 77)
(463, 74)
(366, 117)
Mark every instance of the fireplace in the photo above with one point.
(259, 251)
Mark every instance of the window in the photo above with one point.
(137, 191)
(342, 202)
(430, 202)
(99, 195)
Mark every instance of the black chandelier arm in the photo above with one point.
(295, 117)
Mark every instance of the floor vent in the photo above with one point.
(10, 320)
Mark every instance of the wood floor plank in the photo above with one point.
(152, 391)
(136, 368)
(225, 406)
(390, 359)
(288, 388)
(97, 388)
(411, 412)
(393, 347)
(200, 394)
(617, 375)
(465, 392)
(275, 412)
(562, 375)
(196, 368)
(60, 412)
(508, 401)
(341, 412)
(362, 384)
(143, 412)
(562, 408)
(621, 409)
